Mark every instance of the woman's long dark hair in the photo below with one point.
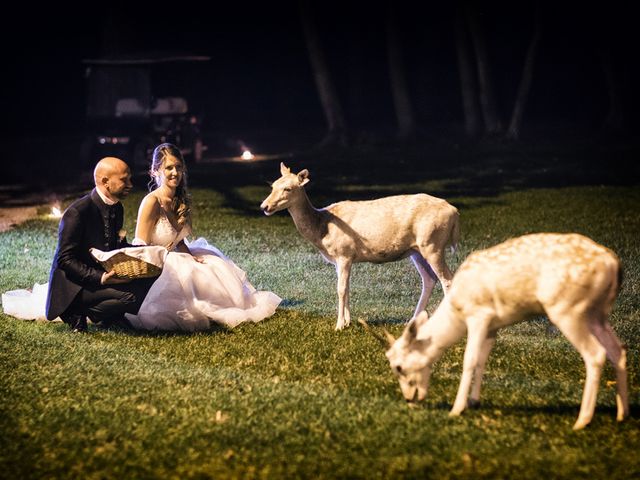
(181, 204)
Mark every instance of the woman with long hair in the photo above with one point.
(199, 286)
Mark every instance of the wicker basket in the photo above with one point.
(130, 267)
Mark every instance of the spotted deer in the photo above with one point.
(383, 230)
(568, 277)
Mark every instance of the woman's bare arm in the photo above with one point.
(148, 215)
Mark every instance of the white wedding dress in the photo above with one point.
(26, 304)
(191, 296)
(187, 296)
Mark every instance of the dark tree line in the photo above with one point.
(482, 113)
(486, 69)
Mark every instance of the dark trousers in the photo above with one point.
(105, 303)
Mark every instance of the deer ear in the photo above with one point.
(284, 170)
(412, 329)
(421, 345)
(303, 177)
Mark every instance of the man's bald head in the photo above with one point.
(113, 178)
(107, 167)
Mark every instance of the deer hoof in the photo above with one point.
(473, 403)
(580, 424)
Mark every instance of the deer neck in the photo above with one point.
(309, 221)
(443, 327)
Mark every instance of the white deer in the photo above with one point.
(568, 277)
(383, 230)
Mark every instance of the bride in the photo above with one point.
(198, 284)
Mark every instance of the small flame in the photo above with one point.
(55, 212)
(247, 155)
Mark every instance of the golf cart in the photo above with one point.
(126, 119)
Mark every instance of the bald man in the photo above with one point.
(78, 286)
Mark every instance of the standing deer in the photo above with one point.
(568, 277)
(383, 230)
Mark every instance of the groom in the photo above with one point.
(78, 286)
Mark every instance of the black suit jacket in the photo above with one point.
(88, 222)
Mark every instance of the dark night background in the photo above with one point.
(259, 84)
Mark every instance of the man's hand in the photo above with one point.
(109, 278)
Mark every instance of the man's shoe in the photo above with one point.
(77, 323)
(101, 326)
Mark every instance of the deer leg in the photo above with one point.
(440, 268)
(576, 329)
(618, 357)
(343, 269)
(347, 298)
(476, 337)
(485, 350)
(428, 281)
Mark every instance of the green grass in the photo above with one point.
(292, 398)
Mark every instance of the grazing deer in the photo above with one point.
(568, 277)
(383, 230)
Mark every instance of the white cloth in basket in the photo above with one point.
(151, 254)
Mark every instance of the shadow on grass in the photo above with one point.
(93, 329)
(557, 409)
(473, 170)
(520, 409)
(381, 322)
(291, 302)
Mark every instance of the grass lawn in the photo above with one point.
(292, 398)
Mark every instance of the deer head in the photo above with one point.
(410, 359)
(284, 190)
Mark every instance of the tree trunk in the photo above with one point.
(399, 87)
(468, 85)
(614, 121)
(513, 133)
(337, 127)
(490, 115)
(357, 101)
